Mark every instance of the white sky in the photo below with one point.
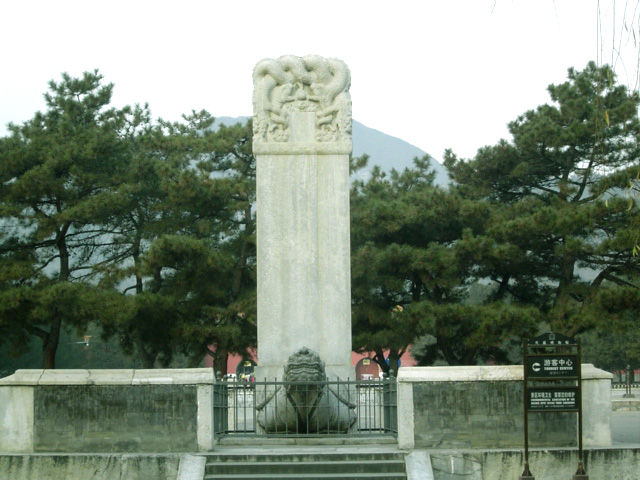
(438, 74)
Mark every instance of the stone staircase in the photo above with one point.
(306, 466)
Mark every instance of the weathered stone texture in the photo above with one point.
(301, 105)
(105, 418)
(483, 415)
(16, 419)
(302, 142)
(89, 467)
(307, 405)
(482, 407)
(106, 410)
(604, 464)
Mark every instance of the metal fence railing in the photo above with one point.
(332, 407)
(624, 385)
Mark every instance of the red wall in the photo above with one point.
(373, 369)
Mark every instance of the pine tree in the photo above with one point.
(182, 224)
(561, 221)
(143, 227)
(53, 171)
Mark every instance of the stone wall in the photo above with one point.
(171, 410)
(110, 418)
(89, 467)
(605, 464)
(106, 411)
(482, 407)
(483, 415)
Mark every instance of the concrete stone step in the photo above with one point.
(328, 440)
(303, 467)
(304, 457)
(309, 476)
(306, 465)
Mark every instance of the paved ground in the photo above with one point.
(625, 426)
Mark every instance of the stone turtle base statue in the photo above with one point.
(305, 403)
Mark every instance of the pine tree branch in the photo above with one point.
(585, 178)
(620, 281)
(37, 331)
(132, 287)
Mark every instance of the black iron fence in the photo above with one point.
(623, 385)
(332, 407)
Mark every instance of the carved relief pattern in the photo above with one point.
(301, 84)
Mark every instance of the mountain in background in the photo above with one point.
(384, 150)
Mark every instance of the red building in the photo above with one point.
(365, 367)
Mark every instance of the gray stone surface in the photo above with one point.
(302, 142)
(457, 466)
(181, 376)
(483, 415)
(621, 403)
(16, 419)
(23, 377)
(89, 467)
(602, 464)
(596, 407)
(205, 432)
(105, 418)
(406, 416)
(106, 410)
(191, 467)
(557, 464)
(481, 407)
(626, 405)
(418, 465)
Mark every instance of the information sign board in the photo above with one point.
(549, 399)
(552, 366)
(555, 360)
(551, 340)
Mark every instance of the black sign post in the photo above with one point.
(552, 357)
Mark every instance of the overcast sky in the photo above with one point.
(438, 74)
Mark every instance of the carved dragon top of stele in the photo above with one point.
(310, 84)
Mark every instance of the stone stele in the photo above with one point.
(302, 143)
